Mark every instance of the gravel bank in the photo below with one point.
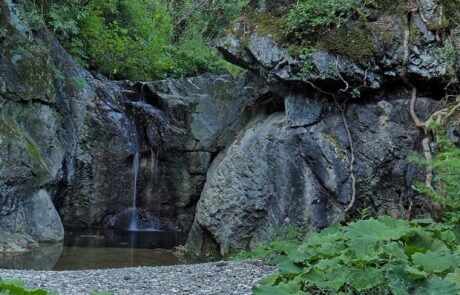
(210, 278)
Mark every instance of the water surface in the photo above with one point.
(101, 249)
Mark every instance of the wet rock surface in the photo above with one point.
(214, 278)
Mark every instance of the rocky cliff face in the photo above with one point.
(226, 158)
(63, 137)
(68, 140)
(294, 165)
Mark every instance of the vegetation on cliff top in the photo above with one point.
(138, 40)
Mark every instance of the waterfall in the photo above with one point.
(133, 225)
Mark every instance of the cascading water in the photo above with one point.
(133, 225)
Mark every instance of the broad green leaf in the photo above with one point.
(437, 286)
(394, 251)
(398, 279)
(289, 267)
(382, 229)
(291, 288)
(299, 256)
(434, 262)
(454, 277)
(365, 279)
(415, 272)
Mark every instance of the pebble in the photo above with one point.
(236, 277)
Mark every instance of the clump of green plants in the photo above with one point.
(321, 25)
(310, 16)
(446, 188)
(16, 287)
(285, 239)
(374, 256)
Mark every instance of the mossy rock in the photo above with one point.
(8, 130)
(27, 71)
(451, 10)
(356, 43)
(334, 141)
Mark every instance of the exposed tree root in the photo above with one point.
(342, 109)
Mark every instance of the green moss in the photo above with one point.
(36, 73)
(333, 140)
(33, 75)
(34, 152)
(356, 43)
(271, 23)
(451, 10)
(295, 50)
(393, 7)
(8, 130)
(416, 36)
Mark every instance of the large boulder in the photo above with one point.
(277, 174)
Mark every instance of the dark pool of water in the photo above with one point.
(95, 249)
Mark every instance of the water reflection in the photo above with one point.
(42, 258)
(96, 249)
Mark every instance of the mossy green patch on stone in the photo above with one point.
(451, 10)
(37, 75)
(269, 23)
(34, 151)
(334, 141)
(8, 130)
(356, 43)
(27, 71)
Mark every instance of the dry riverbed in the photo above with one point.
(235, 277)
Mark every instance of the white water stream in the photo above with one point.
(133, 225)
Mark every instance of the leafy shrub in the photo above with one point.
(375, 256)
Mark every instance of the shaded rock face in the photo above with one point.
(68, 140)
(183, 124)
(64, 138)
(275, 174)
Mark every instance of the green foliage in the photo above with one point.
(320, 24)
(306, 61)
(357, 43)
(446, 166)
(285, 240)
(80, 83)
(309, 16)
(375, 256)
(452, 12)
(138, 40)
(16, 287)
